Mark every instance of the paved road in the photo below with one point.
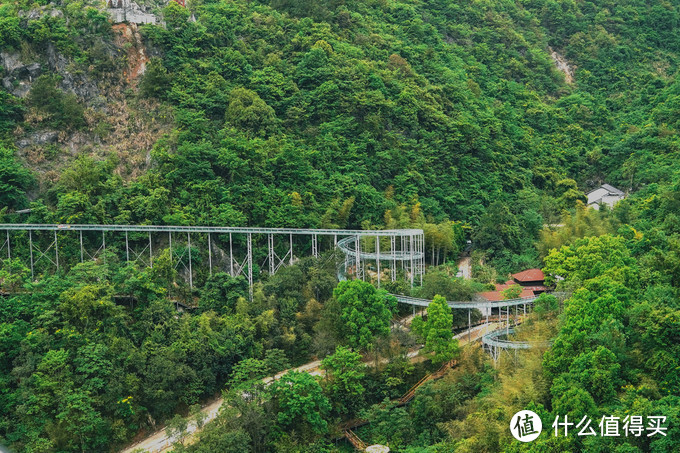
(159, 442)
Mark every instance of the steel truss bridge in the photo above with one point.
(491, 341)
(227, 249)
(230, 250)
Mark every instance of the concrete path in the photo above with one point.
(159, 442)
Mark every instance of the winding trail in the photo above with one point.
(159, 441)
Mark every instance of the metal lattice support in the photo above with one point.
(137, 256)
(271, 254)
(231, 256)
(377, 257)
(410, 239)
(191, 274)
(9, 248)
(209, 253)
(249, 258)
(357, 270)
(348, 241)
(393, 249)
(495, 344)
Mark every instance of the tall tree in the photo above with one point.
(343, 384)
(436, 331)
(365, 312)
(301, 404)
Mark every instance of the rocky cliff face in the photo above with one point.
(116, 120)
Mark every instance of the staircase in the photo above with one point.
(408, 396)
(354, 440)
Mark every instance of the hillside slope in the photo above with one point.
(382, 113)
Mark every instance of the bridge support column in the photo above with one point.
(315, 246)
(191, 276)
(30, 244)
(56, 250)
(357, 269)
(270, 253)
(9, 251)
(377, 258)
(393, 249)
(422, 258)
(291, 248)
(81, 246)
(150, 252)
(209, 253)
(231, 257)
(127, 248)
(410, 251)
(507, 320)
(250, 265)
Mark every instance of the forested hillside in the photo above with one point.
(481, 120)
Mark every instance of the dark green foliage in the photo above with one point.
(301, 404)
(64, 110)
(436, 331)
(446, 116)
(365, 312)
(221, 293)
(15, 180)
(343, 382)
(10, 112)
(156, 81)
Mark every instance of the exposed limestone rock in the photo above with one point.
(38, 138)
(79, 84)
(42, 11)
(18, 81)
(563, 65)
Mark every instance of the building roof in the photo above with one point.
(496, 296)
(529, 275)
(612, 189)
(596, 195)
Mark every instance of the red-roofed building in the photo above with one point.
(496, 296)
(531, 281)
(529, 277)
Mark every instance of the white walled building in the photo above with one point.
(605, 194)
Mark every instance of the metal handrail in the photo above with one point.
(491, 339)
(467, 304)
(207, 229)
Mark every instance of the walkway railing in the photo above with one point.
(406, 247)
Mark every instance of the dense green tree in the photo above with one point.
(246, 110)
(343, 381)
(301, 404)
(365, 312)
(437, 332)
(15, 180)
